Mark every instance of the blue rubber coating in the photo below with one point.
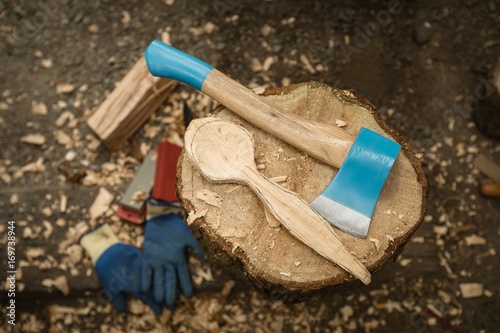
(361, 177)
(166, 61)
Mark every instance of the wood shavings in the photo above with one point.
(30, 167)
(340, 123)
(63, 203)
(194, 216)
(28, 233)
(256, 65)
(39, 108)
(405, 262)
(471, 290)
(14, 199)
(33, 253)
(61, 283)
(48, 229)
(63, 139)
(376, 242)
(307, 64)
(93, 28)
(151, 131)
(279, 179)
(209, 197)
(101, 204)
(61, 223)
(34, 139)
(46, 63)
(47, 211)
(75, 254)
(418, 240)
(474, 240)
(4, 175)
(64, 88)
(203, 274)
(64, 117)
(346, 311)
(440, 230)
(233, 232)
(139, 196)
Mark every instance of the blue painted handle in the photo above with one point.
(166, 61)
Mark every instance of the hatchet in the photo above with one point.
(364, 162)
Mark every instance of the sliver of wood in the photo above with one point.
(129, 105)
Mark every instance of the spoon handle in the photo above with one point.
(305, 224)
(323, 141)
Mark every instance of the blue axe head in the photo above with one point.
(349, 200)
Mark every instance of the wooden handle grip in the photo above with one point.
(322, 141)
(305, 224)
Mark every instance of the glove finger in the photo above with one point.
(118, 301)
(159, 292)
(193, 243)
(146, 276)
(170, 286)
(149, 300)
(185, 279)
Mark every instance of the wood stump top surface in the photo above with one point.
(238, 232)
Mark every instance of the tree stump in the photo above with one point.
(238, 233)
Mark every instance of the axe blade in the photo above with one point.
(349, 200)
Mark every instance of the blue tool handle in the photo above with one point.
(166, 61)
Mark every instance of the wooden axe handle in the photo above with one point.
(323, 141)
(326, 142)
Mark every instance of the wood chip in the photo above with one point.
(307, 64)
(34, 139)
(46, 63)
(376, 242)
(93, 28)
(39, 108)
(209, 197)
(60, 283)
(48, 229)
(471, 290)
(63, 138)
(63, 118)
(474, 240)
(30, 167)
(193, 216)
(101, 203)
(139, 196)
(125, 17)
(64, 88)
(4, 175)
(340, 123)
(405, 262)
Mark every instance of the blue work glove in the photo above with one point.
(166, 240)
(118, 267)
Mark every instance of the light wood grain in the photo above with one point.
(236, 233)
(323, 141)
(129, 105)
(224, 152)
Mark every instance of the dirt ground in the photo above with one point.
(425, 65)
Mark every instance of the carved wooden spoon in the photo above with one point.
(224, 152)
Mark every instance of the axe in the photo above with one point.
(364, 162)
